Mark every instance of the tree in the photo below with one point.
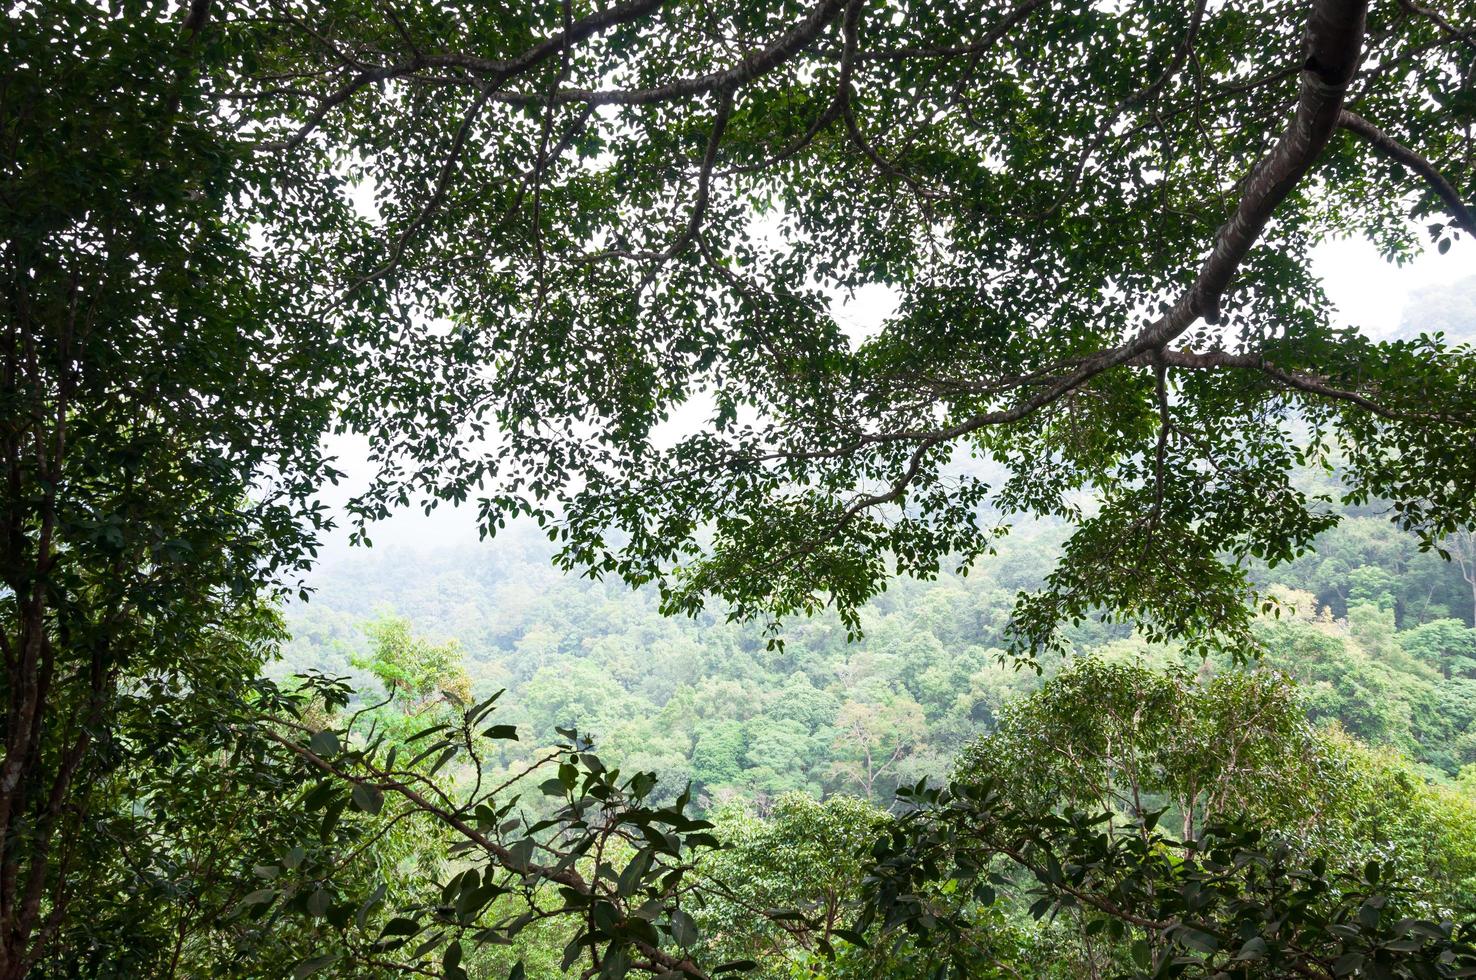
(1462, 545)
(1133, 739)
(162, 398)
(1446, 644)
(803, 855)
(1372, 804)
(1226, 903)
(717, 758)
(416, 674)
(1094, 221)
(871, 739)
(515, 241)
(599, 856)
(1063, 807)
(205, 854)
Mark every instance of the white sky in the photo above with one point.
(1372, 294)
(1367, 292)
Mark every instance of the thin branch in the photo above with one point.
(984, 43)
(1301, 381)
(498, 72)
(753, 66)
(1410, 160)
(699, 204)
(1434, 17)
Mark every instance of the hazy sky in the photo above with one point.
(1367, 291)
(1371, 293)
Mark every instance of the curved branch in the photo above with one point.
(1309, 383)
(443, 184)
(497, 72)
(993, 34)
(1410, 160)
(755, 65)
(1335, 42)
(1335, 32)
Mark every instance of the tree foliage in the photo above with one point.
(609, 238)
(163, 396)
(585, 262)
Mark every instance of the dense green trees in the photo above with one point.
(1133, 727)
(1210, 898)
(583, 262)
(416, 675)
(708, 701)
(162, 400)
(1293, 848)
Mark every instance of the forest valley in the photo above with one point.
(1104, 606)
(1352, 734)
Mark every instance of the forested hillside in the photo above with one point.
(1351, 728)
(1376, 632)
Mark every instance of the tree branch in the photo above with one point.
(498, 72)
(1334, 44)
(1410, 160)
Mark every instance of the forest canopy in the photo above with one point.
(1095, 221)
(584, 264)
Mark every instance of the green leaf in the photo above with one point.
(1254, 948)
(400, 927)
(368, 799)
(1196, 939)
(319, 902)
(259, 897)
(630, 879)
(683, 929)
(324, 743)
(307, 968)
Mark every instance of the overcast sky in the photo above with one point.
(1367, 291)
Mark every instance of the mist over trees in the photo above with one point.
(576, 266)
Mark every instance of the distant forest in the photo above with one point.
(1377, 633)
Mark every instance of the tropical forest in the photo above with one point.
(790, 489)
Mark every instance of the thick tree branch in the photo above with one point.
(699, 203)
(1334, 49)
(488, 75)
(1334, 43)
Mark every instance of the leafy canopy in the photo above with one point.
(607, 241)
